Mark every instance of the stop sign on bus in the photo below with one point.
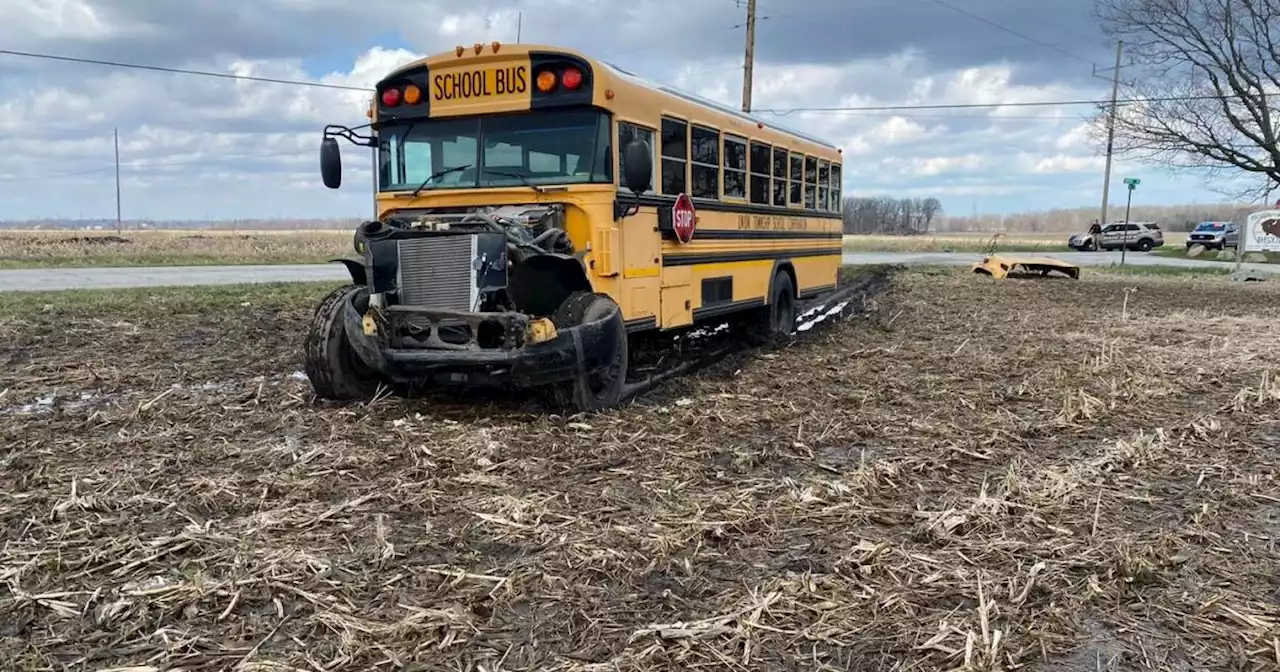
(683, 218)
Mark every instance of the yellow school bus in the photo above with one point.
(537, 208)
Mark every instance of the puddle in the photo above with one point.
(1105, 651)
(41, 405)
(850, 457)
(47, 403)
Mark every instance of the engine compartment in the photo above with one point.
(436, 269)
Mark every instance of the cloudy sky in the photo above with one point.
(198, 148)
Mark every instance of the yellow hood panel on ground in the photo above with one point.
(1001, 266)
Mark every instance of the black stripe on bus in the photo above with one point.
(765, 234)
(815, 291)
(751, 255)
(725, 308)
(659, 201)
(641, 324)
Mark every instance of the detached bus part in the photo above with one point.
(1001, 266)
(537, 210)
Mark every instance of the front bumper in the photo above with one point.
(573, 352)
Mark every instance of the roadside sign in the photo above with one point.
(1262, 232)
(1133, 182)
(684, 219)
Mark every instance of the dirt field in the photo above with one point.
(1036, 475)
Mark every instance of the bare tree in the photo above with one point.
(889, 215)
(930, 208)
(1209, 82)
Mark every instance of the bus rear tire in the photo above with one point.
(777, 320)
(332, 366)
(602, 389)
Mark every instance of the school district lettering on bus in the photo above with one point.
(772, 223)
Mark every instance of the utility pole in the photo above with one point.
(119, 222)
(750, 57)
(519, 24)
(1111, 132)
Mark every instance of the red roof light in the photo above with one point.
(572, 78)
(391, 97)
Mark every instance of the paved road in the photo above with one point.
(36, 279)
(39, 279)
(1079, 258)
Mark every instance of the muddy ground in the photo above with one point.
(1044, 475)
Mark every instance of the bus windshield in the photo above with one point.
(541, 147)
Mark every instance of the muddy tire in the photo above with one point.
(603, 389)
(777, 320)
(334, 369)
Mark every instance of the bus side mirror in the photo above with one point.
(638, 168)
(330, 163)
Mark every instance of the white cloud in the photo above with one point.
(1064, 163)
(235, 148)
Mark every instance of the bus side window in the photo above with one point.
(797, 167)
(735, 166)
(810, 182)
(780, 177)
(675, 152)
(761, 165)
(626, 133)
(824, 179)
(705, 164)
(837, 182)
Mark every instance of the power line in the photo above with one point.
(1011, 31)
(970, 106)
(182, 71)
(776, 111)
(910, 115)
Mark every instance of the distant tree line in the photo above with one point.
(893, 216)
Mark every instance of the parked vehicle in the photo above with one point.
(1214, 235)
(1141, 236)
(1082, 242)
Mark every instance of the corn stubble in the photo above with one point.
(974, 476)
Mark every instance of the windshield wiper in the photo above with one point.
(436, 174)
(524, 180)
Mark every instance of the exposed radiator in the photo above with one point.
(437, 272)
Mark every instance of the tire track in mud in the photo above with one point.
(685, 353)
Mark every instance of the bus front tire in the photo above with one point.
(331, 365)
(604, 388)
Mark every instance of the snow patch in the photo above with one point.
(806, 326)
